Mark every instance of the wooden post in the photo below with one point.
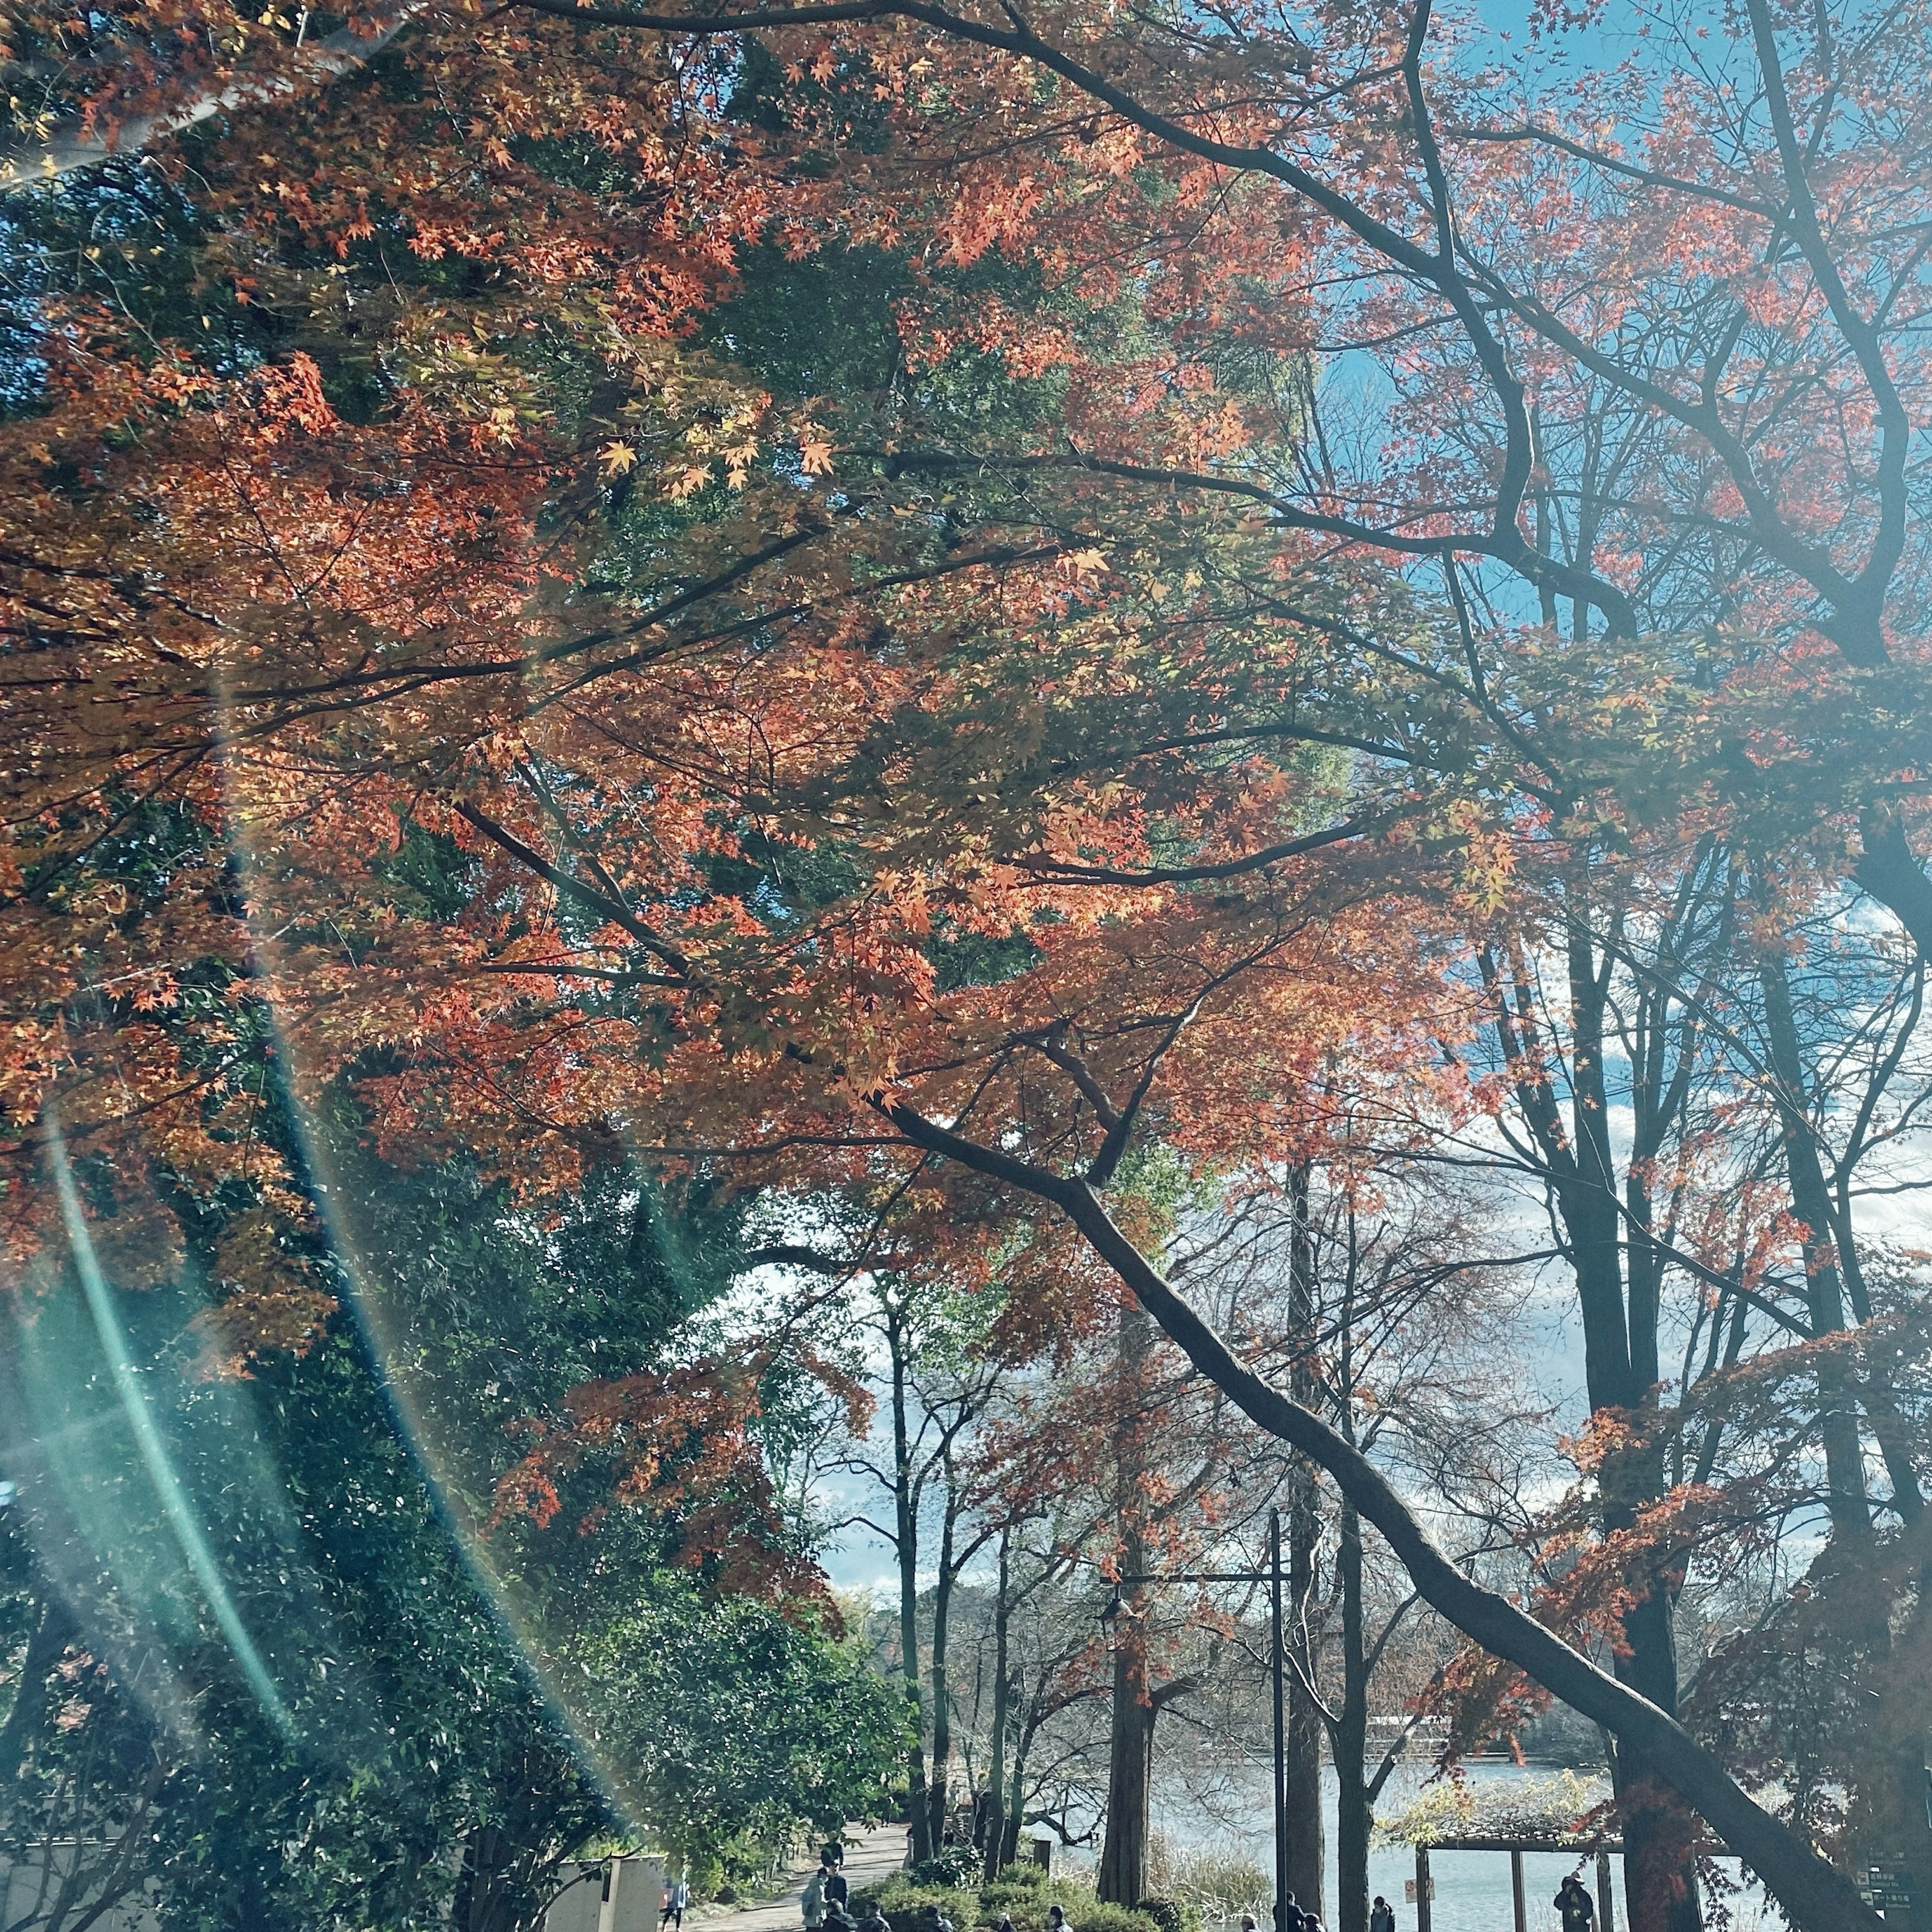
(1422, 1888)
(1606, 1915)
(1516, 1898)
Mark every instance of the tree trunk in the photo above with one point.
(1811, 1201)
(906, 1541)
(939, 1797)
(1015, 1818)
(1353, 1816)
(1621, 1368)
(53, 1632)
(1306, 1861)
(1123, 1873)
(996, 1789)
(489, 1897)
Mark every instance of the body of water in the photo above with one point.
(1472, 1888)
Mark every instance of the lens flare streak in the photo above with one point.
(168, 1486)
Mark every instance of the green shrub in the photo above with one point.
(951, 1865)
(1029, 1877)
(1023, 1894)
(1009, 1895)
(1173, 1914)
(903, 1901)
(1085, 1913)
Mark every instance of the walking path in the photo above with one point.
(873, 1852)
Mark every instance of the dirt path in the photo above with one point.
(872, 1854)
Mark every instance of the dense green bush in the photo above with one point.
(1022, 1897)
(951, 1865)
(1010, 1894)
(903, 1903)
(1086, 1913)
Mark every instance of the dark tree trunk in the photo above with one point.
(1621, 1368)
(1122, 1878)
(906, 1540)
(1353, 1815)
(939, 1801)
(1307, 1862)
(1811, 1201)
(491, 1896)
(996, 1852)
(53, 1631)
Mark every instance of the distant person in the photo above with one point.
(677, 1896)
(837, 1919)
(1293, 1918)
(936, 1921)
(838, 1891)
(1381, 1915)
(1248, 1922)
(833, 1854)
(1056, 1920)
(1574, 1907)
(870, 1918)
(813, 1900)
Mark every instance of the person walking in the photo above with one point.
(1381, 1915)
(837, 1890)
(677, 1896)
(813, 1900)
(1573, 1907)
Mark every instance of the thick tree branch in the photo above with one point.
(318, 63)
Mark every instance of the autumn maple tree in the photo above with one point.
(1073, 724)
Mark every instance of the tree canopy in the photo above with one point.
(924, 645)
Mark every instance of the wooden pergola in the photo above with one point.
(1600, 1848)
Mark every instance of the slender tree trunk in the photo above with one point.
(1306, 1861)
(53, 1632)
(939, 1801)
(1353, 1817)
(1123, 1874)
(996, 1790)
(1621, 1368)
(906, 1540)
(1811, 1201)
(1015, 1822)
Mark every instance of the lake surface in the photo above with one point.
(1472, 1888)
